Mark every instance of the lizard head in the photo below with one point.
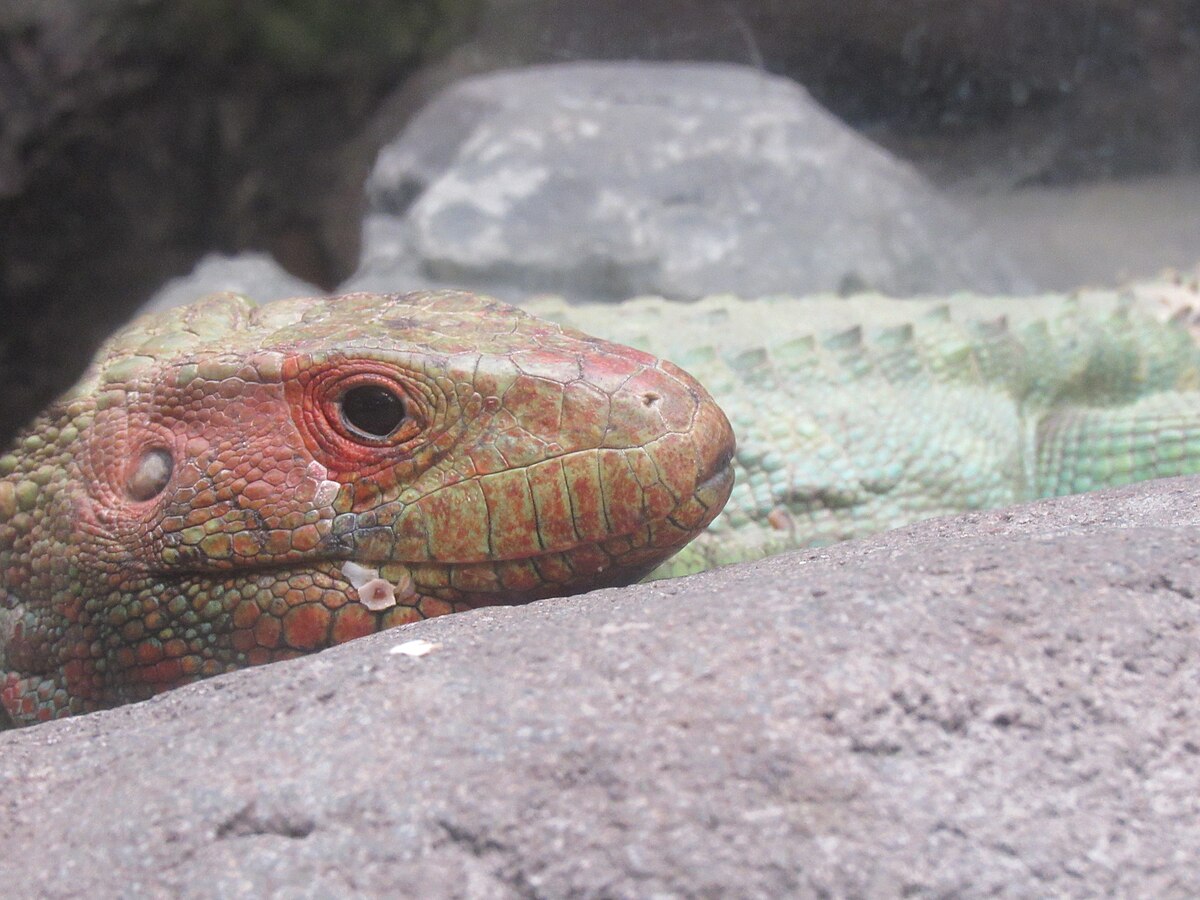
(247, 484)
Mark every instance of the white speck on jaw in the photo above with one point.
(327, 490)
(414, 649)
(376, 593)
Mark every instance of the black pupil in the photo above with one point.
(372, 410)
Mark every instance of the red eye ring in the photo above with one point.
(371, 448)
(370, 409)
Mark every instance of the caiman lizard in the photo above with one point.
(231, 485)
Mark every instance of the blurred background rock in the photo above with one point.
(1040, 145)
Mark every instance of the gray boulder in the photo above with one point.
(257, 275)
(388, 265)
(605, 180)
(1003, 703)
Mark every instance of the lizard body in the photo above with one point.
(852, 415)
(231, 485)
(858, 414)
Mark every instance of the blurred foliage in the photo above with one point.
(307, 38)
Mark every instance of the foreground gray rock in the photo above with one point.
(1003, 703)
(608, 180)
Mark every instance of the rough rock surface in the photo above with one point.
(605, 181)
(608, 180)
(1003, 703)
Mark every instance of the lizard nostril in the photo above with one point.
(151, 475)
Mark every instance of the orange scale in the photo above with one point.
(257, 491)
(256, 657)
(432, 606)
(243, 640)
(279, 542)
(307, 627)
(166, 673)
(148, 652)
(246, 544)
(245, 614)
(267, 632)
(275, 477)
(306, 538)
(328, 599)
(401, 615)
(133, 630)
(353, 621)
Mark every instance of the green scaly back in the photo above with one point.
(857, 414)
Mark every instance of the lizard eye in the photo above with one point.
(151, 475)
(356, 411)
(371, 411)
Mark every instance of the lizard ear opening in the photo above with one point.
(150, 476)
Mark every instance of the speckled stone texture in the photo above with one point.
(1003, 703)
(604, 180)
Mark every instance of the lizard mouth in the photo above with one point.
(562, 525)
(435, 587)
(618, 521)
(278, 611)
(721, 473)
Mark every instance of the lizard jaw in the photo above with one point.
(616, 560)
(625, 552)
